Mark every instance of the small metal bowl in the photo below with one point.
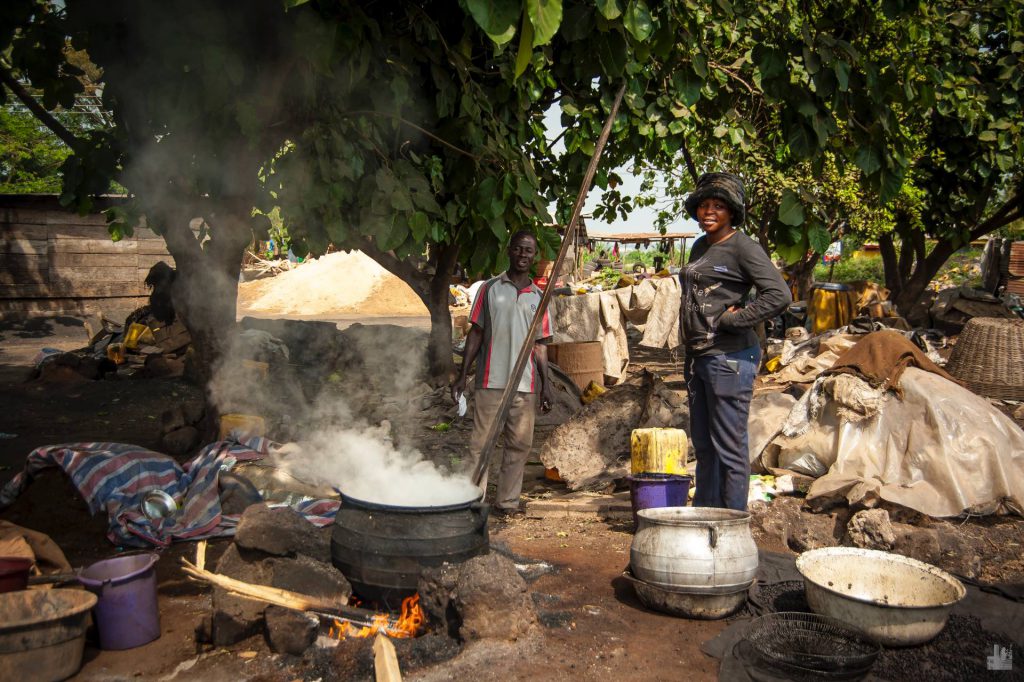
(156, 505)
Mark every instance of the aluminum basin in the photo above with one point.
(896, 600)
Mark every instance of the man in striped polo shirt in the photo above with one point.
(501, 315)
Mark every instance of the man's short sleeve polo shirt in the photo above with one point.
(504, 312)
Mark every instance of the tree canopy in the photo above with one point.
(414, 130)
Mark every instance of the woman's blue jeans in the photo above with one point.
(720, 388)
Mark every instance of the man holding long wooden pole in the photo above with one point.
(501, 316)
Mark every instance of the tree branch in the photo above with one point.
(366, 112)
(1007, 213)
(419, 281)
(690, 166)
(47, 119)
(733, 75)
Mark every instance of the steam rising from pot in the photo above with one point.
(334, 447)
(363, 463)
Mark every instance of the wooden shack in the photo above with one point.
(52, 260)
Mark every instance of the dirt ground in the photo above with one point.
(592, 625)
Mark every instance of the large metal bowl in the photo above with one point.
(893, 599)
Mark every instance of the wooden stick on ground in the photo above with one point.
(201, 555)
(385, 660)
(271, 595)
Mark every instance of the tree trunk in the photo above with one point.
(890, 267)
(205, 290)
(432, 288)
(439, 352)
(924, 269)
(802, 273)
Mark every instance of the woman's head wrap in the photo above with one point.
(724, 186)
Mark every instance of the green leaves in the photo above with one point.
(637, 20)
(868, 160)
(818, 238)
(791, 211)
(609, 9)
(497, 18)
(546, 16)
(771, 62)
(612, 53)
(687, 86)
(525, 51)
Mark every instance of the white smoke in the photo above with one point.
(362, 461)
(335, 448)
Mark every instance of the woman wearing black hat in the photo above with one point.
(717, 321)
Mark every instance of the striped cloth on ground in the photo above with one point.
(114, 477)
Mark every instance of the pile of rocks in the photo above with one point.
(787, 521)
(276, 547)
(483, 598)
(180, 427)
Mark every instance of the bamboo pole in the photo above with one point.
(524, 353)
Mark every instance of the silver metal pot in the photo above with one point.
(694, 549)
(896, 600)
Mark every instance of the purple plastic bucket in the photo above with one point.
(127, 615)
(14, 573)
(653, 491)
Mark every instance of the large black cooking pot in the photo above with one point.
(381, 548)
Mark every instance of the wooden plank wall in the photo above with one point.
(51, 259)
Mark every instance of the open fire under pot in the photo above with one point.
(382, 549)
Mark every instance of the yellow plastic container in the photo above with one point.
(831, 306)
(136, 334)
(658, 451)
(248, 425)
(593, 391)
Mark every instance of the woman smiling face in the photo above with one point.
(715, 218)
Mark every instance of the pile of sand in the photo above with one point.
(338, 283)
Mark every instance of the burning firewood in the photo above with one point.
(271, 595)
(347, 621)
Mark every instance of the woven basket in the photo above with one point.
(989, 357)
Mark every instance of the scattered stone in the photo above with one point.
(180, 441)
(918, 543)
(172, 419)
(281, 531)
(236, 618)
(193, 412)
(483, 598)
(162, 367)
(306, 575)
(787, 520)
(871, 529)
(289, 631)
(237, 493)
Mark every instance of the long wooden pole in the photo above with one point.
(524, 353)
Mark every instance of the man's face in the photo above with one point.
(521, 254)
